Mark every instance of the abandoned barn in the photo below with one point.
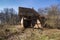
(29, 18)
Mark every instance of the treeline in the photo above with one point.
(9, 16)
(52, 15)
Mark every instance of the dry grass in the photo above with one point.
(30, 34)
(10, 32)
(51, 34)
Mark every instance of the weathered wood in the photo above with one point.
(30, 15)
(38, 24)
(22, 22)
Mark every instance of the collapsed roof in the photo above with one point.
(28, 12)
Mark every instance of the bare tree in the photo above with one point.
(53, 17)
(9, 16)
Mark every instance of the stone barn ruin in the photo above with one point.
(29, 18)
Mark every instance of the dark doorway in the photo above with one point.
(27, 23)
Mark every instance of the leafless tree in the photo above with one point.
(53, 16)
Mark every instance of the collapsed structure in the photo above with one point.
(29, 18)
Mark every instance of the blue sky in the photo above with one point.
(27, 3)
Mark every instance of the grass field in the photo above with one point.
(16, 33)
